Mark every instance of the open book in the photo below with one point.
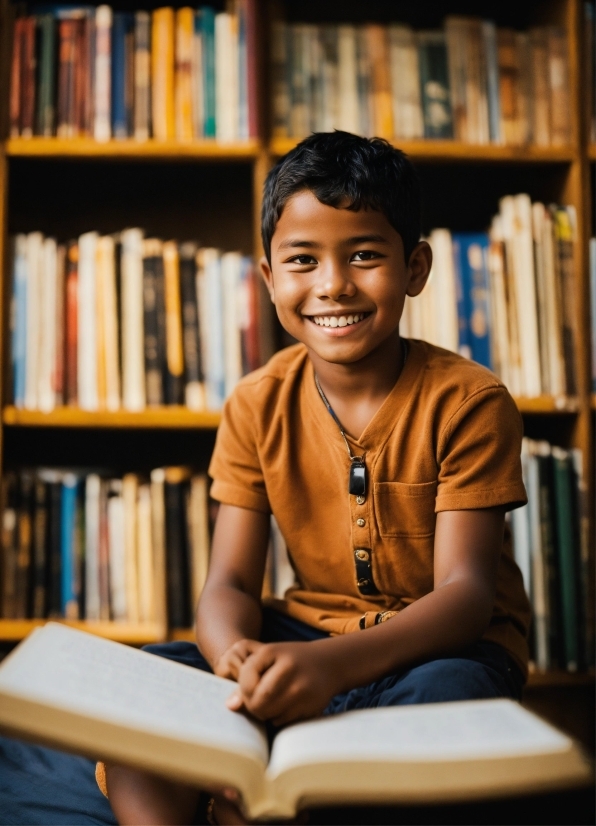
(88, 695)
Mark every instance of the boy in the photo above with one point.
(388, 464)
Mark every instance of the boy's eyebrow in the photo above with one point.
(292, 243)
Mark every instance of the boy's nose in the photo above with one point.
(334, 282)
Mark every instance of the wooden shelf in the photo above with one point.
(592, 151)
(141, 634)
(548, 404)
(158, 417)
(182, 635)
(130, 149)
(438, 150)
(559, 679)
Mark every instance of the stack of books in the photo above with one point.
(179, 74)
(110, 322)
(85, 545)
(469, 81)
(506, 298)
(551, 547)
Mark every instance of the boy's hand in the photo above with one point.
(228, 665)
(284, 682)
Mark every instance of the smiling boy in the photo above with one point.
(388, 464)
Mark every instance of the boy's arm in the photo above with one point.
(290, 681)
(229, 611)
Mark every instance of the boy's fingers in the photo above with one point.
(252, 669)
(270, 697)
(235, 701)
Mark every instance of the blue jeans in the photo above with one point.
(481, 671)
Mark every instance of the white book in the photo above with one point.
(405, 83)
(553, 307)
(226, 76)
(526, 295)
(231, 269)
(538, 211)
(129, 496)
(146, 580)
(514, 296)
(108, 319)
(87, 373)
(446, 321)
(209, 291)
(34, 258)
(158, 542)
(498, 303)
(347, 79)
(83, 693)
(540, 584)
(92, 509)
(520, 529)
(133, 348)
(116, 543)
(103, 67)
(47, 327)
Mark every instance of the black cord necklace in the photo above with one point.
(357, 479)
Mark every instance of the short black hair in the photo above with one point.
(344, 169)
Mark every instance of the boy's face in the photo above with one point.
(338, 278)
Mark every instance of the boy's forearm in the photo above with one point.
(225, 615)
(447, 619)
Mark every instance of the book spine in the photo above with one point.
(381, 81)
(176, 550)
(103, 554)
(70, 604)
(162, 74)
(280, 90)
(58, 368)
(87, 378)
(183, 74)
(54, 583)
(87, 73)
(541, 118)
(24, 553)
(34, 263)
(118, 79)
(193, 368)
(154, 363)
(208, 42)
(252, 75)
(106, 273)
(564, 228)
(40, 549)
(15, 79)
(142, 103)
(199, 535)
(242, 77)
(593, 308)
(158, 532)
(489, 36)
(71, 324)
(147, 606)
(212, 303)
(129, 495)
(508, 86)
(19, 316)
(434, 86)
(28, 86)
(226, 77)
(116, 541)
(463, 293)
(174, 343)
(231, 263)
(92, 518)
(47, 77)
(10, 533)
(48, 343)
(129, 72)
(197, 82)
(133, 367)
(103, 50)
(559, 86)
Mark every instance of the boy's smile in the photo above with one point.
(339, 279)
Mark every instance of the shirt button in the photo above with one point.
(360, 500)
(361, 522)
(362, 554)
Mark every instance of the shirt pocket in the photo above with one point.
(405, 510)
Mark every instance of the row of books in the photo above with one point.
(593, 310)
(551, 547)
(110, 322)
(507, 297)
(82, 545)
(170, 74)
(470, 81)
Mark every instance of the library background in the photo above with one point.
(134, 147)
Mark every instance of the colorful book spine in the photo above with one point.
(162, 74)
(471, 252)
(208, 42)
(142, 76)
(103, 49)
(434, 85)
(19, 321)
(70, 597)
(121, 26)
(47, 57)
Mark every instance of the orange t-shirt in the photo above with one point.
(447, 437)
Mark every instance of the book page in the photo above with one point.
(474, 730)
(60, 667)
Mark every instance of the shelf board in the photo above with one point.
(153, 417)
(131, 149)
(138, 634)
(441, 150)
(592, 151)
(559, 679)
(547, 404)
(182, 635)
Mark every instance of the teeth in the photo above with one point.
(334, 321)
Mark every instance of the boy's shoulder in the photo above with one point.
(281, 368)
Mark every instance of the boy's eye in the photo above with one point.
(302, 259)
(365, 255)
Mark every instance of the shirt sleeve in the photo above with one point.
(479, 454)
(235, 467)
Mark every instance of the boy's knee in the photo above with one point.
(443, 681)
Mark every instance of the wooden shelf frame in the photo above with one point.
(132, 634)
(574, 161)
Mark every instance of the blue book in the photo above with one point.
(206, 18)
(470, 253)
(123, 23)
(19, 320)
(68, 515)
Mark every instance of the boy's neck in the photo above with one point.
(357, 390)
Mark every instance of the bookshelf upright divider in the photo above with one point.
(564, 168)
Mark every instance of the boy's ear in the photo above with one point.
(419, 266)
(267, 277)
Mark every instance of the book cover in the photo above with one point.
(434, 85)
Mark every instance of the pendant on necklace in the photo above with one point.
(357, 484)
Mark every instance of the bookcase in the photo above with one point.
(213, 190)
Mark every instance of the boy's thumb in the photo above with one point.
(235, 701)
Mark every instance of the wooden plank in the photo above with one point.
(446, 151)
(162, 417)
(137, 634)
(182, 634)
(210, 150)
(556, 679)
(547, 404)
